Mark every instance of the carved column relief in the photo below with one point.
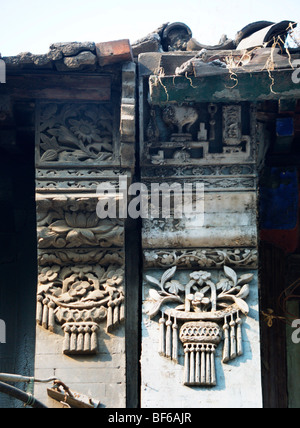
(199, 271)
(81, 283)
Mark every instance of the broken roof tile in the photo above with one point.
(175, 38)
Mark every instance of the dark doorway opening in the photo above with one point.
(18, 254)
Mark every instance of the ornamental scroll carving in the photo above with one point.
(209, 258)
(199, 314)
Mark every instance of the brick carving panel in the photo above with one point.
(81, 282)
(75, 133)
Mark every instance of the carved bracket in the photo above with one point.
(80, 145)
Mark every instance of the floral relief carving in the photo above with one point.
(210, 257)
(198, 307)
(73, 223)
(79, 298)
(81, 271)
(75, 133)
(81, 256)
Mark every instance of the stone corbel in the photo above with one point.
(79, 146)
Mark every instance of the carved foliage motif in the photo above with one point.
(76, 256)
(199, 306)
(209, 258)
(69, 133)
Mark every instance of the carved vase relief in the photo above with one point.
(200, 314)
(194, 135)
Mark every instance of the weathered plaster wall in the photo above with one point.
(101, 377)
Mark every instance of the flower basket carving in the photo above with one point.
(79, 298)
(207, 312)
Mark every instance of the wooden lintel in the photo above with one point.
(55, 86)
(242, 86)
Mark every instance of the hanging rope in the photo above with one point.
(289, 293)
(269, 317)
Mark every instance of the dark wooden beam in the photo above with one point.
(133, 272)
(273, 339)
(220, 87)
(57, 86)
